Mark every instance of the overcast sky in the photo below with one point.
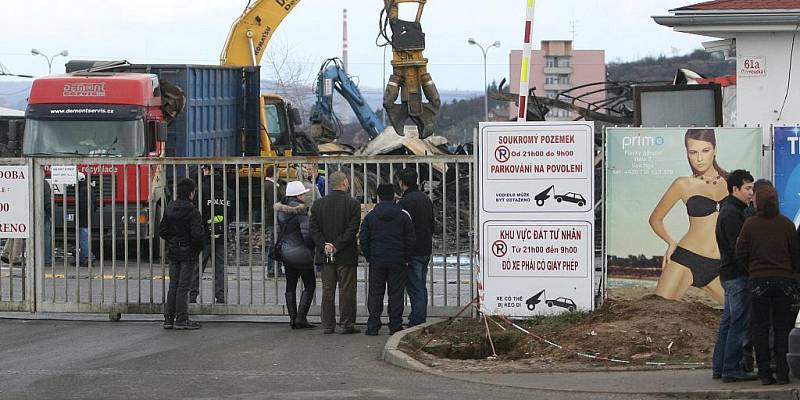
(194, 31)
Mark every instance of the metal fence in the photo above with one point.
(118, 206)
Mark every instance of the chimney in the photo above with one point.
(344, 39)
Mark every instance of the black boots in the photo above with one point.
(291, 308)
(305, 303)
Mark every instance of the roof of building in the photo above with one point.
(738, 5)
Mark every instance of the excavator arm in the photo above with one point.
(410, 79)
(246, 45)
(325, 124)
(251, 32)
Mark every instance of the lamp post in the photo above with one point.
(484, 50)
(50, 59)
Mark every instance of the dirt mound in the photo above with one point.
(648, 329)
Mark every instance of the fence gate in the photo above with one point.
(96, 222)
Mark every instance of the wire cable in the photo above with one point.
(789, 79)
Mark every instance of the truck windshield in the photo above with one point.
(92, 138)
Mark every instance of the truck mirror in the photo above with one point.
(162, 132)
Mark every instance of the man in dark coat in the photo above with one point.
(387, 242)
(420, 207)
(216, 204)
(334, 225)
(183, 229)
(86, 206)
(733, 276)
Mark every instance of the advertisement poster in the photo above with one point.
(658, 180)
(787, 170)
(537, 201)
(15, 207)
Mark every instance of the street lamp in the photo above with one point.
(50, 59)
(484, 50)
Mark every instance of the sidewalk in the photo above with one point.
(674, 383)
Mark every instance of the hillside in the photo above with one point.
(664, 68)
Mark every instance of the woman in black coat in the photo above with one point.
(297, 253)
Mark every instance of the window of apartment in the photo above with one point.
(565, 62)
(550, 79)
(551, 94)
(564, 79)
(550, 62)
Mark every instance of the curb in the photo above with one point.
(393, 355)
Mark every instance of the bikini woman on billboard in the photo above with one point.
(694, 259)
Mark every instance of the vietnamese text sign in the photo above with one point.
(536, 196)
(15, 208)
(787, 170)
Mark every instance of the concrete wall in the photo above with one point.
(759, 99)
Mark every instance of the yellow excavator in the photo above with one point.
(251, 32)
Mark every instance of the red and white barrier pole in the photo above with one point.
(524, 75)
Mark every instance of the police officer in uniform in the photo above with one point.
(213, 202)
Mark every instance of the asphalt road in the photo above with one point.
(223, 360)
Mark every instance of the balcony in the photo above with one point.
(558, 70)
(557, 86)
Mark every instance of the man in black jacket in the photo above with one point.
(420, 207)
(387, 242)
(334, 226)
(217, 208)
(183, 229)
(86, 206)
(734, 278)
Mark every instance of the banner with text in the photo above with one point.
(15, 209)
(787, 170)
(658, 180)
(536, 197)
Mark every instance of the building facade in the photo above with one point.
(557, 67)
(761, 36)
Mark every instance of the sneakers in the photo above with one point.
(186, 325)
(329, 331)
(350, 331)
(169, 323)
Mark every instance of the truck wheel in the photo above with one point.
(558, 199)
(539, 203)
(531, 307)
(549, 303)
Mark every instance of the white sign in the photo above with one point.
(15, 207)
(752, 66)
(63, 174)
(536, 197)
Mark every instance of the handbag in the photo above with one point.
(276, 251)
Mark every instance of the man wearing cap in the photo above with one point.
(387, 242)
(334, 225)
(420, 207)
(216, 204)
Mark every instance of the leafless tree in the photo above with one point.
(293, 75)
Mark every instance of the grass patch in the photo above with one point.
(565, 318)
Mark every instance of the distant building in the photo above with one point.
(557, 67)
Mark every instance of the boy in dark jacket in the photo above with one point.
(183, 229)
(387, 242)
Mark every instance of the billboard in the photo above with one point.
(536, 202)
(663, 188)
(787, 170)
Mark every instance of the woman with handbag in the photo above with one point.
(295, 248)
(769, 246)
